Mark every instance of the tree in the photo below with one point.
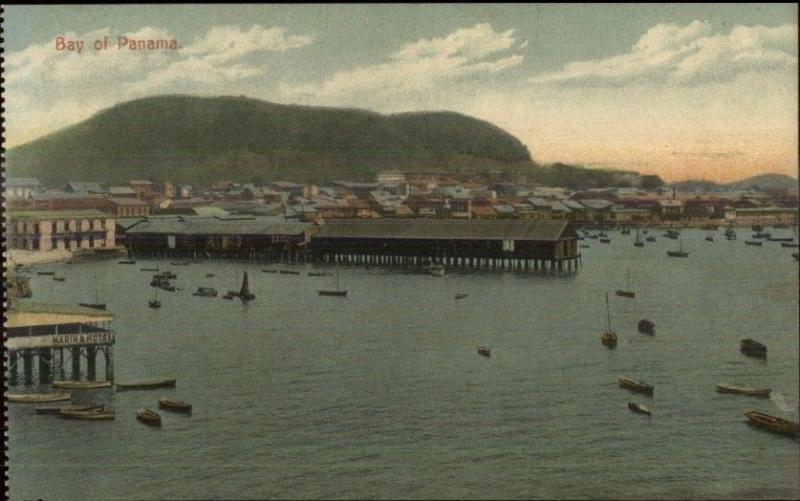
(651, 182)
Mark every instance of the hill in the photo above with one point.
(201, 139)
(763, 182)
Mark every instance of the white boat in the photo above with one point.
(436, 270)
(82, 385)
(38, 397)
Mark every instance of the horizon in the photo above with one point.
(686, 92)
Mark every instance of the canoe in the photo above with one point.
(773, 424)
(753, 348)
(639, 408)
(461, 296)
(146, 385)
(148, 417)
(485, 351)
(623, 293)
(92, 415)
(53, 409)
(38, 397)
(82, 385)
(742, 390)
(174, 405)
(637, 386)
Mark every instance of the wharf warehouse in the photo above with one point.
(502, 244)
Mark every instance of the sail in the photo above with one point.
(245, 290)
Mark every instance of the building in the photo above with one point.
(129, 207)
(143, 189)
(60, 230)
(84, 187)
(766, 215)
(22, 187)
(121, 192)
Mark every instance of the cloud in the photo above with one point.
(420, 65)
(670, 53)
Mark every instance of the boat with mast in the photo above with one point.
(338, 292)
(244, 292)
(628, 292)
(97, 305)
(678, 253)
(609, 337)
(155, 303)
(638, 242)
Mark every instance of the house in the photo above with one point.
(293, 189)
(48, 230)
(143, 189)
(670, 208)
(83, 187)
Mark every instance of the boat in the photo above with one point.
(165, 274)
(795, 255)
(627, 293)
(625, 231)
(461, 296)
(673, 234)
(651, 238)
(154, 303)
(45, 272)
(244, 292)
(96, 305)
(605, 240)
(485, 351)
(762, 235)
(54, 409)
(82, 385)
(205, 292)
(743, 390)
(90, 415)
(59, 279)
(180, 263)
(267, 270)
(788, 244)
(437, 270)
(289, 272)
(584, 246)
(209, 275)
(229, 295)
(647, 327)
(752, 242)
(773, 424)
(757, 228)
(633, 385)
(678, 253)
(780, 239)
(126, 261)
(638, 408)
(609, 337)
(337, 293)
(638, 242)
(146, 385)
(174, 405)
(148, 417)
(730, 233)
(168, 288)
(709, 238)
(753, 348)
(38, 397)
(318, 274)
(148, 269)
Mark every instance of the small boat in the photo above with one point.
(709, 238)
(54, 409)
(244, 292)
(318, 274)
(780, 239)
(773, 424)
(45, 272)
(638, 408)
(267, 270)
(174, 405)
(795, 255)
(205, 292)
(82, 385)
(95, 306)
(605, 240)
(209, 275)
(673, 234)
(38, 397)
(289, 272)
(168, 288)
(765, 236)
(757, 228)
(154, 303)
(146, 385)
(743, 390)
(165, 274)
(633, 385)
(436, 270)
(59, 279)
(647, 327)
(126, 262)
(148, 269)
(788, 244)
(180, 263)
(753, 348)
(730, 234)
(609, 337)
(485, 351)
(678, 253)
(625, 231)
(148, 417)
(461, 296)
(90, 415)
(584, 246)
(337, 293)
(627, 293)
(752, 242)
(651, 238)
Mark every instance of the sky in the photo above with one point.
(685, 91)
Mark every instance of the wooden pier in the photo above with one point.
(48, 331)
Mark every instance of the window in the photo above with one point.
(508, 246)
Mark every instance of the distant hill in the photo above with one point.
(578, 177)
(764, 182)
(200, 139)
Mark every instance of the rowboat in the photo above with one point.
(647, 327)
(146, 385)
(752, 242)
(174, 405)
(91, 415)
(38, 397)
(267, 270)
(180, 263)
(148, 269)
(318, 274)
(485, 351)
(637, 386)
(148, 417)
(461, 296)
(609, 337)
(45, 272)
(773, 424)
(639, 408)
(126, 262)
(753, 348)
(82, 385)
(205, 292)
(788, 244)
(742, 390)
(53, 409)
(289, 272)
(59, 279)
(94, 306)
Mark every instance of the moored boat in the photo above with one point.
(148, 417)
(773, 423)
(180, 263)
(59, 279)
(461, 296)
(82, 385)
(94, 306)
(788, 244)
(288, 272)
(753, 348)
(646, 326)
(54, 409)
(638, 408)
(205, 292)
(436, 270)
(90, 415)
(33, 398)
(628, 292)
(485, 351)
(174, 405)
(148, 269)
(126, 261)
(651, 238)
(146, 385)
(743, 390)
(609, 337)
(45, 272)
(633, 385)
(752, 242)
(267, 270)
(337, 293)
(154, 303)
(605, 240)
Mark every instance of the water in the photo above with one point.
(383, 395)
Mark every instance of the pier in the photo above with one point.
(47, 332)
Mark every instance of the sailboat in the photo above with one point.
(627, 293)
(338, 292)
(97, 305)
(609, 337)
(244, 292)
(678, 253)
(638, 242)
(155, 303)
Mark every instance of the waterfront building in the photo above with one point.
(121, 192)
(128, 207)
(60, 230)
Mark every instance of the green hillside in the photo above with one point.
(200, 140)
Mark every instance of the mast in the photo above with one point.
(629, 279)
(337, 280)
(608, 313)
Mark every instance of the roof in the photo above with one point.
(27, 314)
(57, 214)
(596, 203)
(445, 229)
(128, 201)
(231, 225)
(85, 186)
(121, 190)
(140, 182)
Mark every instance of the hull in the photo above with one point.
(638, 408)
(38, 397)
(333, 293)
(753, 348)
(95, 306)
(288, 272)
(149, 418)
(609, 339)
(485, 351)
(646, 327)
(626, 294)
(174, 405)
(677, 254)
(82, 385)
(636, 386)
(146, 385)
(54, 409)
(741, 390)
(773, 424)
(461, 296)
(86, 415)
